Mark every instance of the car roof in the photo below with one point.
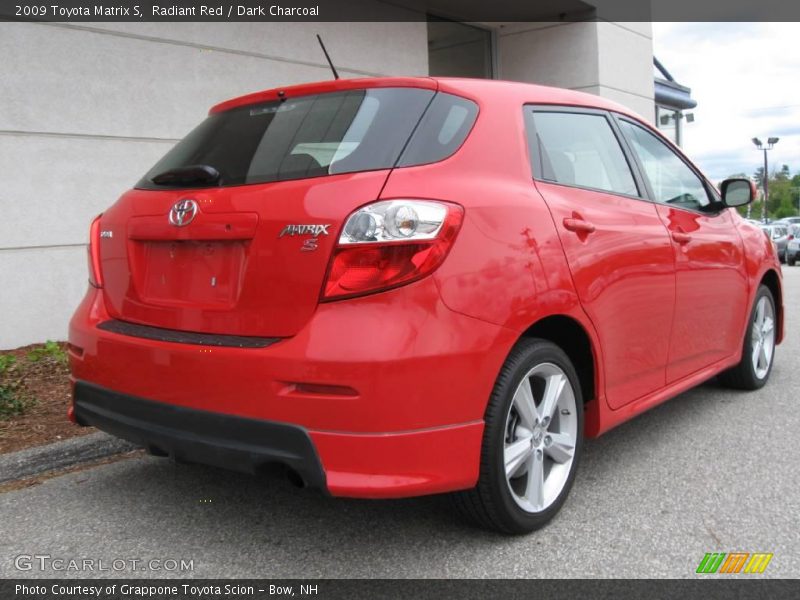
(477, 89)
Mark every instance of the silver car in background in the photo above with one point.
(792, 253)
(779, 234)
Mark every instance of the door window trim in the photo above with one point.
(530, 108)
(715, 207)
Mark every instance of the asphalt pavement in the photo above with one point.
(709, 471)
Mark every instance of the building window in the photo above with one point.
(458, 50)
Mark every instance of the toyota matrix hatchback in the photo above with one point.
(398, 287)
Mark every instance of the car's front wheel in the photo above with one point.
(758, 349)
(531, 443)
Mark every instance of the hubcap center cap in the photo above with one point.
(538, 434)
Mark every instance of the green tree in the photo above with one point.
(784, 192)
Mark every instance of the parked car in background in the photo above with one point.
(790, 220)
(792, 245)
(778, 233)
(394, 287)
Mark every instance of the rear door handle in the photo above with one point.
(681, 238)
(578, 225)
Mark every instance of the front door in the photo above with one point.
(711, 283)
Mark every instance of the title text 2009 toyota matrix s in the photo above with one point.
(395, 287)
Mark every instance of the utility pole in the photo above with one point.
(770, 145)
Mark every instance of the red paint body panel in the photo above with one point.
(711, 290)
(392, 387)
(400, 465)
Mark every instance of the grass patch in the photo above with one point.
(50, 351)
(12, 403)
(12, 400)
(15, 399)
(35, 393)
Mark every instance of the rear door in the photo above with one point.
(711, 281)
(618, 250)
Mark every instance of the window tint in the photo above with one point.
(309, 136)
(443, 129)
(671, 179)
(579, 149)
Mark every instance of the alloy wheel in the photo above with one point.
(763, 337)
(541, 433)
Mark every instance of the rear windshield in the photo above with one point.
(326, 134)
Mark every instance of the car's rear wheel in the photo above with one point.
(531, 442)
(758, 349)
(790, 259)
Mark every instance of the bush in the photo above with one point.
(11, 402)
(50, 350)
(6, 362)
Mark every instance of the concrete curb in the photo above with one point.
(60, 455)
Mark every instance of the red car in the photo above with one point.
(394, 287)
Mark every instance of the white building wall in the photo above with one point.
(556, 54)
(86, 109)
(613, 60)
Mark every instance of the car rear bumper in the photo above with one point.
(189, 435)
(389, 392)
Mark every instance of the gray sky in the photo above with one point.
(746, 80)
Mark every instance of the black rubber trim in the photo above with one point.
(198, 436)
(185, 337)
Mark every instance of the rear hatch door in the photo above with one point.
(246, 252)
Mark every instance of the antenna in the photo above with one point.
(335, 74)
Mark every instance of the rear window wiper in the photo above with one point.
(192, 174)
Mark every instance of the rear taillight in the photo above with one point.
(95, 274)
(391, 243)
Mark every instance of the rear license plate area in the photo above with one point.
(188, 272)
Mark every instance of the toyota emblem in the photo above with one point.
(183, 212)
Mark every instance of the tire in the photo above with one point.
(510, 505)
(746, 375)
(790, 259)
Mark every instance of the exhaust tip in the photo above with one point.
(295, 478)
(280, 471)
(156, 451)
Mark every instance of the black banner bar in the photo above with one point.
(398, 10)
(728, 588)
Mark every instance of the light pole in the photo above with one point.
(770, 145)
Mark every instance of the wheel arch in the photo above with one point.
(773, 283)
(577, 341)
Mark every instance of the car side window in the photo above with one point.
(671, 179)
(578, 149)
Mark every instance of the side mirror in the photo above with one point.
(737, 192)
